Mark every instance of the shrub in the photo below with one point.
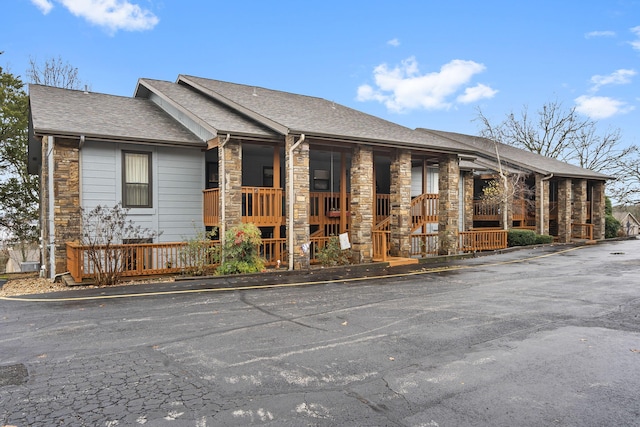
(104, 229)
(521, 238)
(198, 255)
(332, 254)
(611, 227)
(241, 250)
(543, 239)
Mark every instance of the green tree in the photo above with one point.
(18, 189)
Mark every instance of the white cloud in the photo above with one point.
(636, 43)
(599, 34)
(113, 15)
(618, 77)
(45, 6)
(403, 88)
(394, 42)
(476, 93)
(601, 107)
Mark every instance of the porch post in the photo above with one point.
(579, 212)
(62, 171)
(400, 199)
(297, 164)
(564, 210)
(230, 160)
(362, 203)
(467, 184)
(449, 204)
(542, 205)
(597, 211)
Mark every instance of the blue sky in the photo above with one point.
(418, 63)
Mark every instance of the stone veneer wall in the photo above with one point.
(468, 199)
(597, 212)
(362, 182)
(300, 232)
(579, 211)
(564, 210)
(67, 220)
(542, 201)
(231, 156)
(400, 199)
(448, 205)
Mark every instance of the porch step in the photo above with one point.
(395, 261)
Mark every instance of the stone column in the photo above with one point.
(400, 198)
(362, 215)
(299, 227)
(579, 211)
(449, 204)
(564, 210)
(597, 212)
(66, 197)
(230, 160)
(468, 200)
(542, 205)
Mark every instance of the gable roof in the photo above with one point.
(74, 113)
(624, 216)
(289, 113)
(518, 157)
(202, 110)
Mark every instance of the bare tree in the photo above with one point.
(54, 72)
(561, 133)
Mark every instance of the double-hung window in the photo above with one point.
(136, 188)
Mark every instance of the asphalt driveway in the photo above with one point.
(545, 336)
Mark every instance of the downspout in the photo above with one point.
(545, 178)
(223, 181)
(291, 189)
(52, 231)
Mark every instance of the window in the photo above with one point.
(136, 189)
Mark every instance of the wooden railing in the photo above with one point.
(211, 207)
(482, 240)
(581, 231)
(485, 211)
(382, 208)
(424, 209)
(380, 242)
(142, 259)
(424, 244)
(262, 206)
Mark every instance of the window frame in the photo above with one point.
(149, 155)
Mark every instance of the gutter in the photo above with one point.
(51, 220)
(291, 210)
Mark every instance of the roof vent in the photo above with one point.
(254, 92)
(86, 89)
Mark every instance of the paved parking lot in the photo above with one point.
(546, 336)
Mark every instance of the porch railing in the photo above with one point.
(485, 211)
(582, 231)
(140, 259)
(482, 240)
(381, 239)
(261, 206)
(424, 244)
(424, 209)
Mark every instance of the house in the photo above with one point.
(216, 154)
(629, 224)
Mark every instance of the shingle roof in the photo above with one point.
(67, 112)
(214, 114)
(519, 157)
(293, 113)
